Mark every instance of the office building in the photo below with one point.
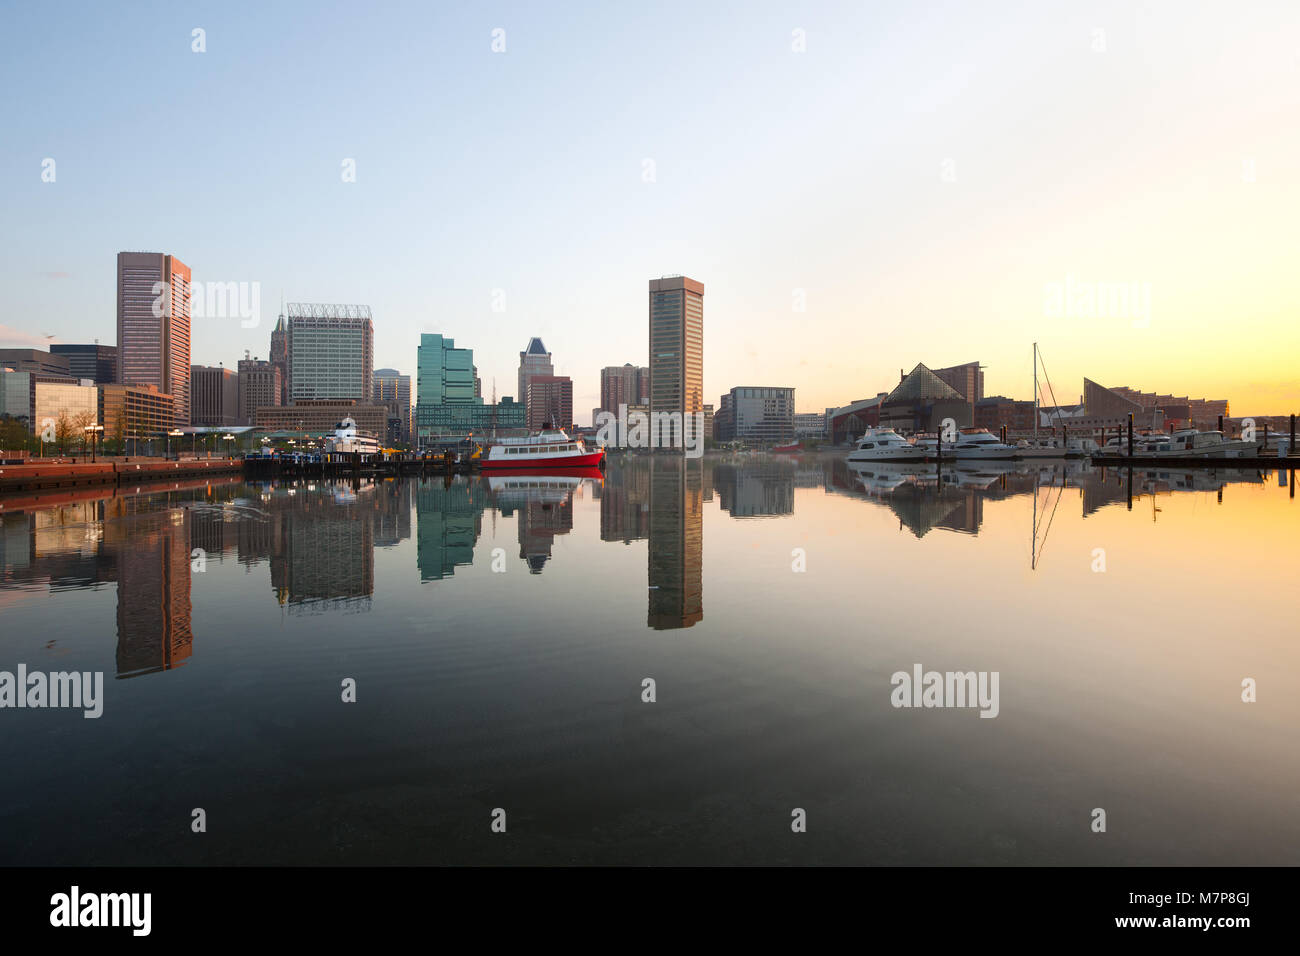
(36, 360)
(260, 386)
(550, 400)
(137, 412)
(95, 362)
(447, 406)
(759, 414)
(676, 327)
(280, 358)
(533, 360)
(153, 326)
(330, 353)
(321, 417)
(623, 385)
(214, 396)
(393, 391)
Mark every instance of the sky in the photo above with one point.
(859, 186)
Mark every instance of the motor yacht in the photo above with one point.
(885, 444)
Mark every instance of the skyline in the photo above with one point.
(919, 193)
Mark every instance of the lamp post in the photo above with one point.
(92, 430)
(227, 437)
(174, 433)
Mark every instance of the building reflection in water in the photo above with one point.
(762, 489)
(449, 519)
(676, 550)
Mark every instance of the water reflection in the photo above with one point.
(317, 542)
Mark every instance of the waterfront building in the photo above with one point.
(1199, 412)
(999, 411)
(393, 391)
(137, 412)
(550, 399)
(847, 423)
(760, 414)
(214, 396)
(623, 385)
(533, 360)
(260, 386)
(319, 417)
(95, 362)
(330, 353)
(967, 380)
(153, 326)
(922, 401)
(809, 425)
(676, 327)
(447, 407)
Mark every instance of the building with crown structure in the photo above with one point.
(533, 360)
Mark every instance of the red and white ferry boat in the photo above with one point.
(549, 448)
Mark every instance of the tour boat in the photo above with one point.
(787, 449)
(548, 448)
(885, 444)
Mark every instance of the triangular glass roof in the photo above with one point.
(921, 384)
(535, 347)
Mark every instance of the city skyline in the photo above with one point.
(938, 223)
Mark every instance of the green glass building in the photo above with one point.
(446, 406)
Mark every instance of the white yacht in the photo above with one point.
(978, 443)
(885, 444)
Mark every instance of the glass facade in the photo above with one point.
(447, 404)
(677, 352)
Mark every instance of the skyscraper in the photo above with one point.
(676, 357)
(393, 391)
(260, 386)
(534, 360)
(624, 385)
(331, 352)
(153, 325)
(550, 399)
(447, 406)
(280, 358)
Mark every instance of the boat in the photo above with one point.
(1190, 443)
(548, 448)
(978, 443)
(794, 446)
(885, 444)
(347, 440)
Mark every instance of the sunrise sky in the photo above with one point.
(916, 175)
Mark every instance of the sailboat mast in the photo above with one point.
(1035, 391)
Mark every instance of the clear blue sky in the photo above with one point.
(775, 171)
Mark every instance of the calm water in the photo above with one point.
(499, 636)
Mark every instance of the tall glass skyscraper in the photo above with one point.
(677, 355)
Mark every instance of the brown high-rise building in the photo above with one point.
(261, 385)
(676, 356)
(624, 385)
(550, 401)
(214, 396)
(153, 325)
(533, 360)
(280, 358)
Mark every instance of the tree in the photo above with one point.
(62, 429)
(79, 423)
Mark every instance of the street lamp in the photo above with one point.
(227, 437)
(174, 433)
(93, 429)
